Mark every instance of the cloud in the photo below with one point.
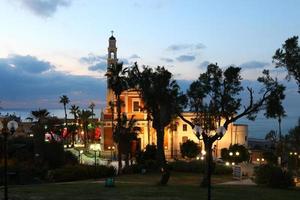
(204, 64)
(19, 86)
(124, 61)
(28, 64)
(101, 66)
(185, 58)
(134, 56)
(92, 59)
(45, 8)
(179, 47)
(254, 65)
(168, 60)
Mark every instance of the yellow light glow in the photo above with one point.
(230, 153)
(237, 153)
(227, 163)
(203, 152)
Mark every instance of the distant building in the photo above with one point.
(175, 134)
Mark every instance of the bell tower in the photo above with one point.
(111, 60)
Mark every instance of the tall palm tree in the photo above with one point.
(84, 116)
(74, 110)
(117, 82)
(65, 100)
(92, 106)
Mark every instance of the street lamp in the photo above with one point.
(95, 147)
(11, 127)
(80, 152)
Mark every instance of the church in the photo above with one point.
(176, 133)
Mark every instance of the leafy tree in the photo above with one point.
(215, 100)
(274, 107)
(289, 57)
(163, 99)
(189, 149)
(117, 82)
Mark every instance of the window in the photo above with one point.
(136, 106)
(184, 127)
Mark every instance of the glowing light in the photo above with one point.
(295, 153)
(263, 159)
(230, 153)
(237, 153)
(227, 163)
(233, 163)
(257, 159)
(203, 152)
(202, 158)
(31, 135)
(291, 153)
(81, 151)
(197, 158)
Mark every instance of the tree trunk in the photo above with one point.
(119, 159)
(118, 132)
(206, 182)
(161, 157)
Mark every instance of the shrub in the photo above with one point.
(189, 149)
(147, 159)
(242, 150)
(54, 154)
(273, 176)
(70, 158)
(80, 172)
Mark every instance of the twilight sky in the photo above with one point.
(54, 47)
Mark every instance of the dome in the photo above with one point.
(112, 38)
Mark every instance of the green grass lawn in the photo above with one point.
(182, 186)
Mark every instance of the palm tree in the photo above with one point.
(40, 114)
(128, 133)
(65, 100)
(84, 116)
(92, 106)
(117, 82)
(74, 110)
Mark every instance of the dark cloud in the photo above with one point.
(179, 47)
(168, 60)
(134, 56)
(101, 66)
(45, 8)
(29, 64)
(204, 64)
(254, 65)
(185, 58)
(18, 87)
(92, 59)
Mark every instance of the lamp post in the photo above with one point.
(80, 156)
(11, 127)
(95, 147)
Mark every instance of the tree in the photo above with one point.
(128, 133)
(65, 100)
(117, 82)
(162, 98)
(92, 106)
(215, 100)
(84, 116)
(289, 57)
(75, 111)
(274, 108)
(189, 149)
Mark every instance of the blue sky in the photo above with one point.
(55, 47)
